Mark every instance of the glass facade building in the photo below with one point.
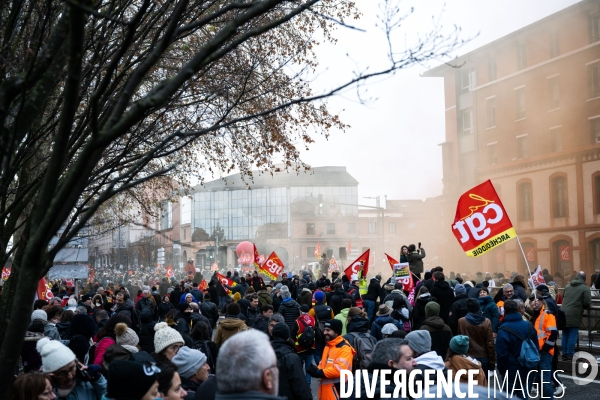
(242, 214)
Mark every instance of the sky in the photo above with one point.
(392, 147)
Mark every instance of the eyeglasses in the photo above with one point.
(175, 347)
(63, 374)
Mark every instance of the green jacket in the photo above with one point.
(576, 297)
(342, 316)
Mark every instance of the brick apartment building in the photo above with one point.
(524, 111)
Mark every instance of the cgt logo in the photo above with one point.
(584, 368)
(273, 267)
(477, 222)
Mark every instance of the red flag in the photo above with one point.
(349, 248)
(257, 260)
(226, 281)
(354, 267)
(214, 266)
(92, 275)
(272, 267)
(169, 273)
(481, 222)
(5, 273)
(391, 260)
(203, 286)
(318, 250)
(43, 291)
(403, 275)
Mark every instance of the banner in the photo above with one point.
(92, 275)
(5, 273)
(169, 273)
(214, 267)
(354, 267)
(226, 281)
(391, 260)
(318, 250)
(203, 286)
(272, 267)
(43, 291)
(565, 253)
(481, 222)
(537, 278)
(402, 275)
(333, 265)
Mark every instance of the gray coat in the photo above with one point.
(576, 297)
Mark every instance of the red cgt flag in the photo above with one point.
(43, 291)
(272, 267)
(481, 222)
(354, 268)
(226, 281)
(391, 260)
(257, 260)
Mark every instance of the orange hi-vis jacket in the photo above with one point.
(337, 355)
(545, 326)
(500, 305)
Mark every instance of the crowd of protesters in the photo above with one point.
(131, 335)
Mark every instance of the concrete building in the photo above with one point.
(524, 111)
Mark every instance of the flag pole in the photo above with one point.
(524, 256)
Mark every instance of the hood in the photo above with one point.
(128, 305)
(459, 362)
(577, 281)
(231, 323)
(431, 360)
(386, 319)
(513, 317)
(435, 322)
(339, 291)
(281, 346)
(461, 296)
(344, 313)
(358, 324)
(442, 284)
(290, 304)
(475, 319)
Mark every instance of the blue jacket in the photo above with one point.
(508, 346)
(86, 390)
(380, 322)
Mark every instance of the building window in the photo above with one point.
(467, 79)
(184, 234)
(491, 112)
(596, 191)
(392, 227)
(525, 203)
(595, 249)
(372, 227)
(559, 197)
(310, 252)
(593, 33)
(521, 56)
(522, 147)
(351, 227)
(553, 93)
(310, 229)
(467, 121)
(554, 44)
(593, 81)
(595, 125)
(492, 154)
(520, 102)
(330, 228)
(492, 69)
(556, 139)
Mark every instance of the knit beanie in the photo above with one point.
(39, 314)
(130, 380)
(459, 289)
(473, 306)
(432, 309)
(237, 296)
(278, 286)
(304, 308)
(389, 328)
(55, 355)
(188, 361)
(125, 335)
(165, 336)
(281, 330)
(335, 325)
(460, 344)
(319, 296)
(419, 341)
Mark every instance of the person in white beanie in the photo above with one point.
(167, 342)
(71, 381)
(192, 367)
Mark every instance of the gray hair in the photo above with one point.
(387, 349)
(81, 310)
(507, 286)
(285, 292)
(276, 317)
(251, 349)
(520, 304)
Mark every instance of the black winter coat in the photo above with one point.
(457, 311)
(373, 291)
(415, 261)
(335, 302)
(292, 381)
(418, 315)
(210, 311)
(175, 296)
(444, 294)
(290, 310)
(147, 336)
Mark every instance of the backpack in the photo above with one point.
(91, 355)
(363, 343)
(307, 337)
(202, 345)
(529, 356)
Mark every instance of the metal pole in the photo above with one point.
(524, 256)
